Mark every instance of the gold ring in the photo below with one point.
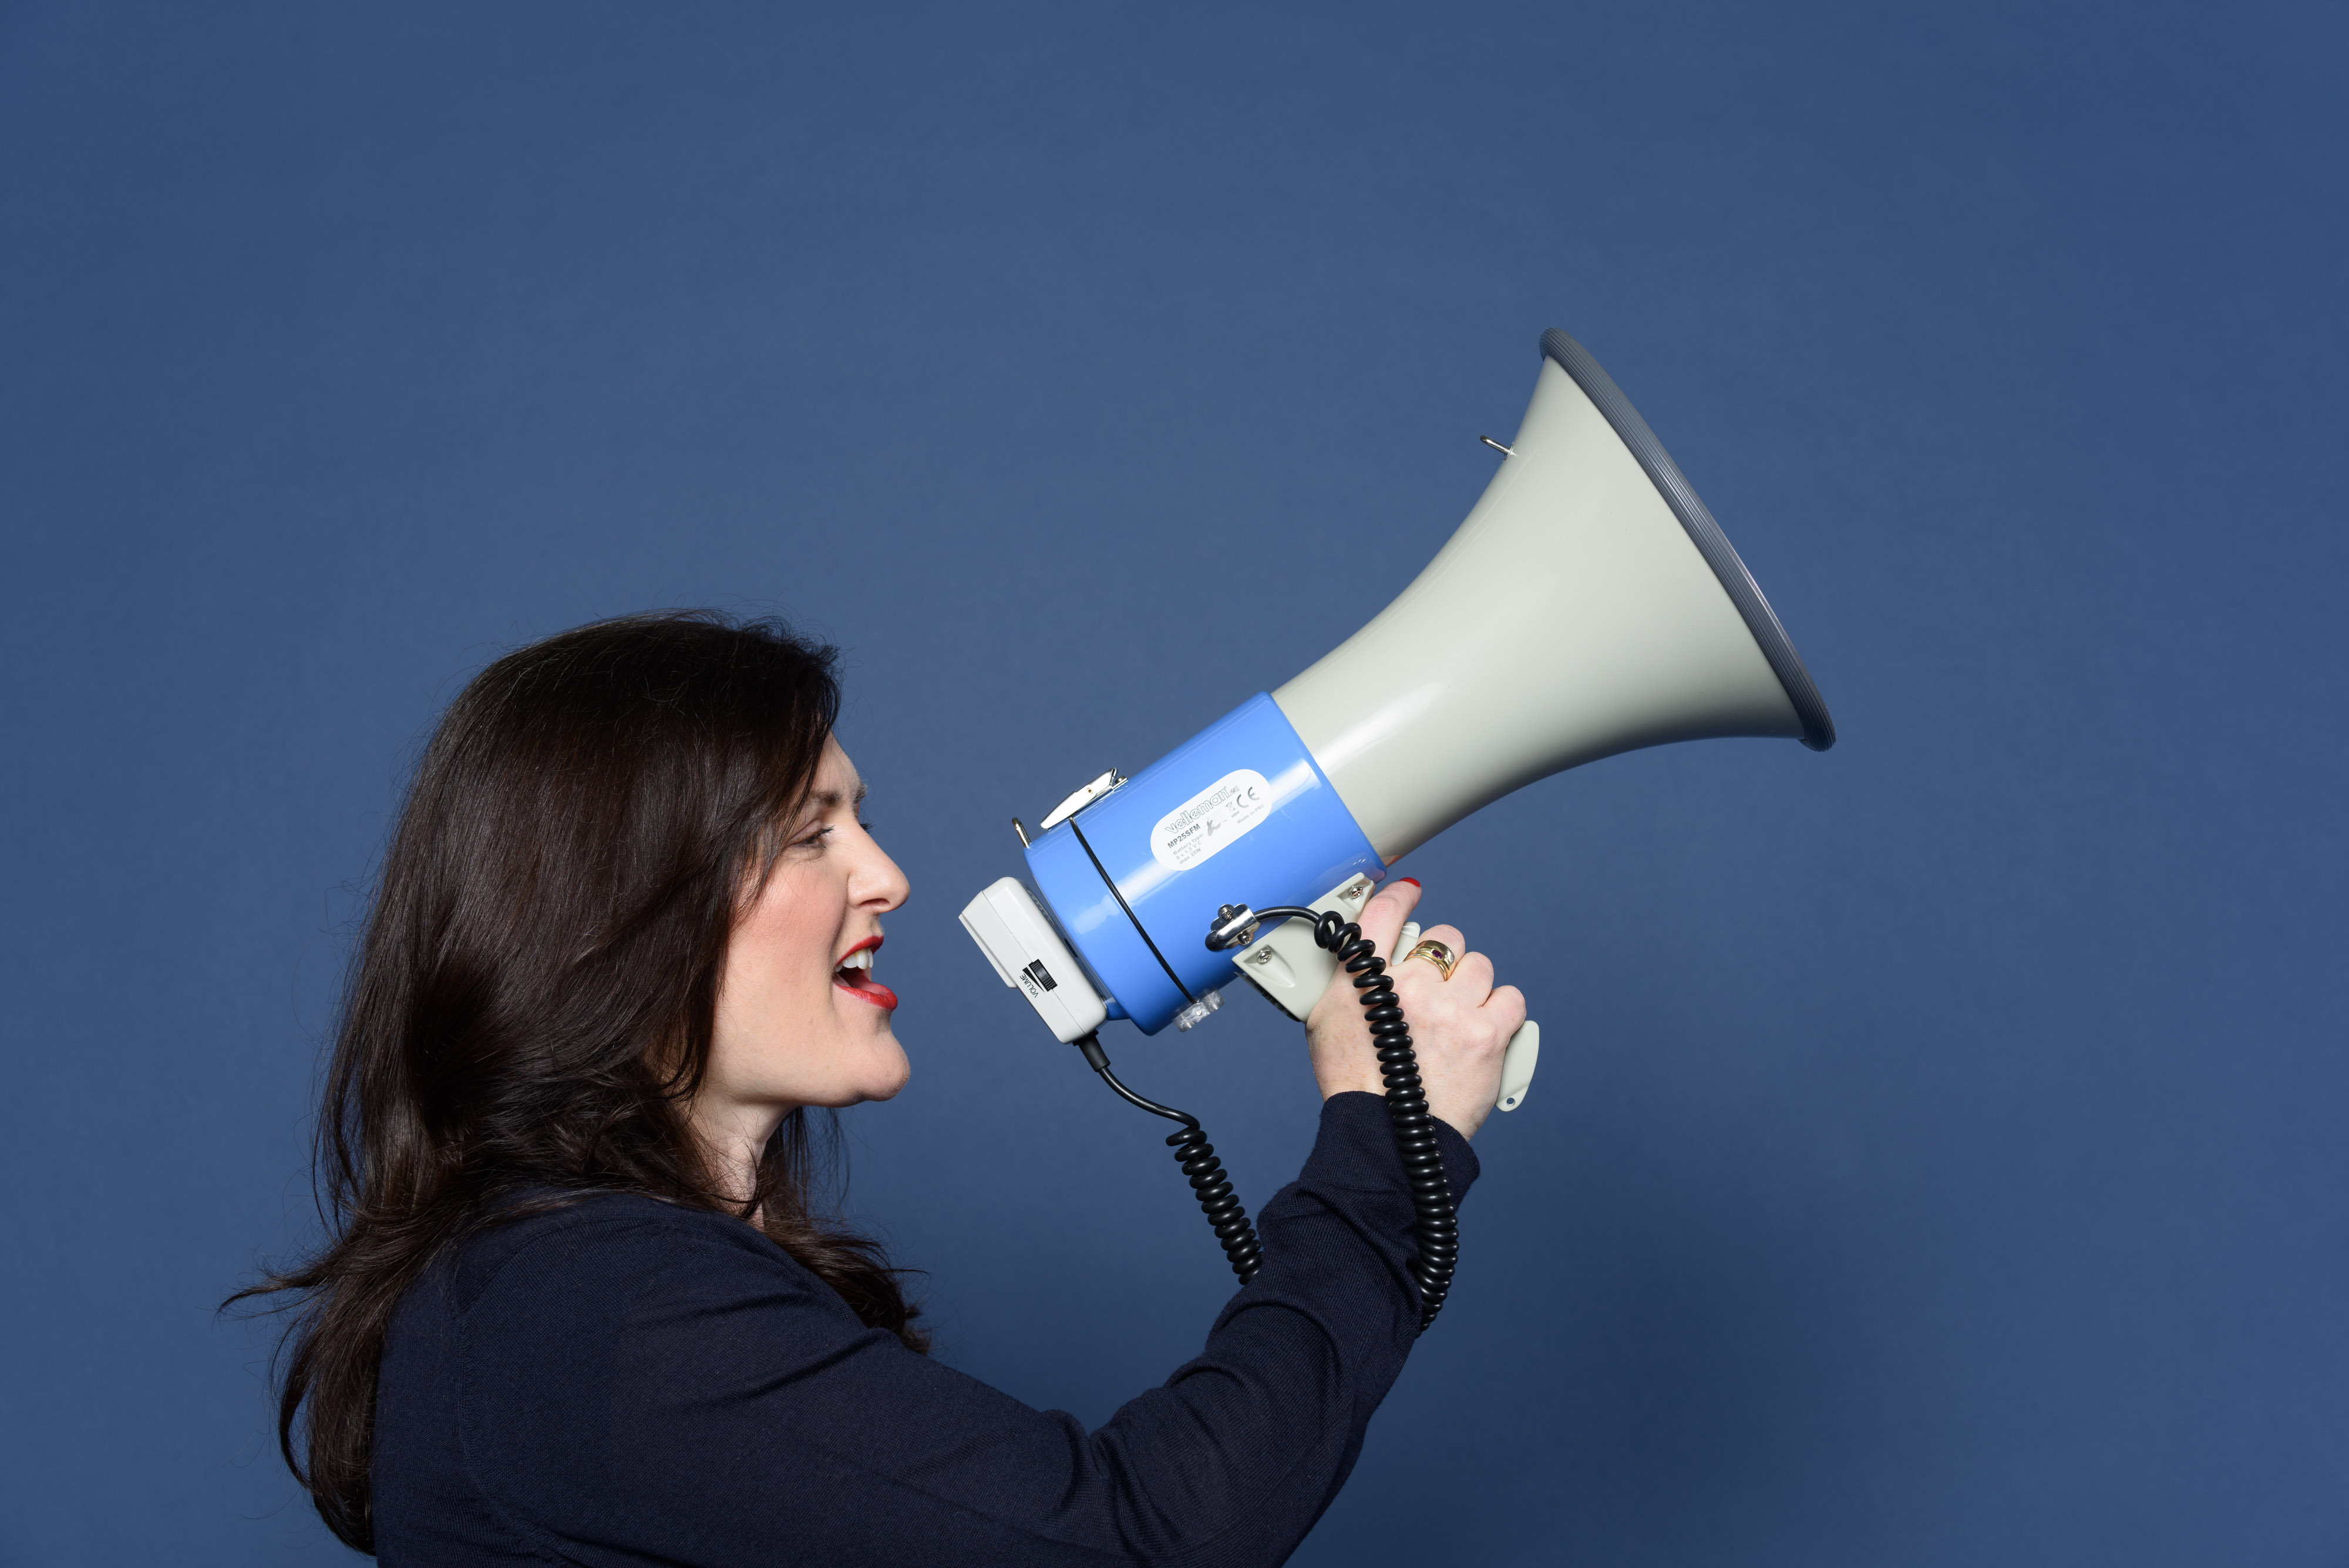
(1436, 953)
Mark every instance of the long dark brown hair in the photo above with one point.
(532, 1002)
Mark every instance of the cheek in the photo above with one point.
(769, 989)
(778, 975)
(794, 929)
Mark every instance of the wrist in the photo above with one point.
(1332, 1087)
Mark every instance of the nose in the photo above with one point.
(877, 883)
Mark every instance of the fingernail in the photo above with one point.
(1412, 881)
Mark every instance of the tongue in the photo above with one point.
(861, 982)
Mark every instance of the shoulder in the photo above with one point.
(571, 1254)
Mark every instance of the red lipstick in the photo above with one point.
(856, 978)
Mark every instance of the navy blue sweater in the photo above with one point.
(624, 1381)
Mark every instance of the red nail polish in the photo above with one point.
(1412, 881)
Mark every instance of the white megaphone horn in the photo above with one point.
(1588, 605)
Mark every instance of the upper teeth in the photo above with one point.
(861, 958)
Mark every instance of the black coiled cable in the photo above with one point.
(1436, 1225)
(1225, 1214)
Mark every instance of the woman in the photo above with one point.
(577, 1304)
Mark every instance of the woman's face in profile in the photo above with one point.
(801, 1022)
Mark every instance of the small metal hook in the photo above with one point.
(1022, 832)
(1496, 446)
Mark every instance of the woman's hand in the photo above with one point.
(1460, 1027)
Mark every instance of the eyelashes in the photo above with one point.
(815, 840)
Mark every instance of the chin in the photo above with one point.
(891, 1077)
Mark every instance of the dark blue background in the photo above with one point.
(1938, 1154)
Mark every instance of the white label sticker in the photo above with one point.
(1209, 820)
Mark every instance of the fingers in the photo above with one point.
(1472, 976)
(1471, 980)
(1383, 916)
(1462, 1024)
(1448, 935)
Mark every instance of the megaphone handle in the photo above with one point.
(1517, 1067)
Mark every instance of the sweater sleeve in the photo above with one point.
(639, 1386)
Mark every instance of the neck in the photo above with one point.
(735, 1139)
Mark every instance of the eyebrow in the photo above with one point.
(831, 798)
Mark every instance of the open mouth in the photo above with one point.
(855, 976)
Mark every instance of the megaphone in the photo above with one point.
(1590, 605)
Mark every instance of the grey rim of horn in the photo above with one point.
(1810, 708)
